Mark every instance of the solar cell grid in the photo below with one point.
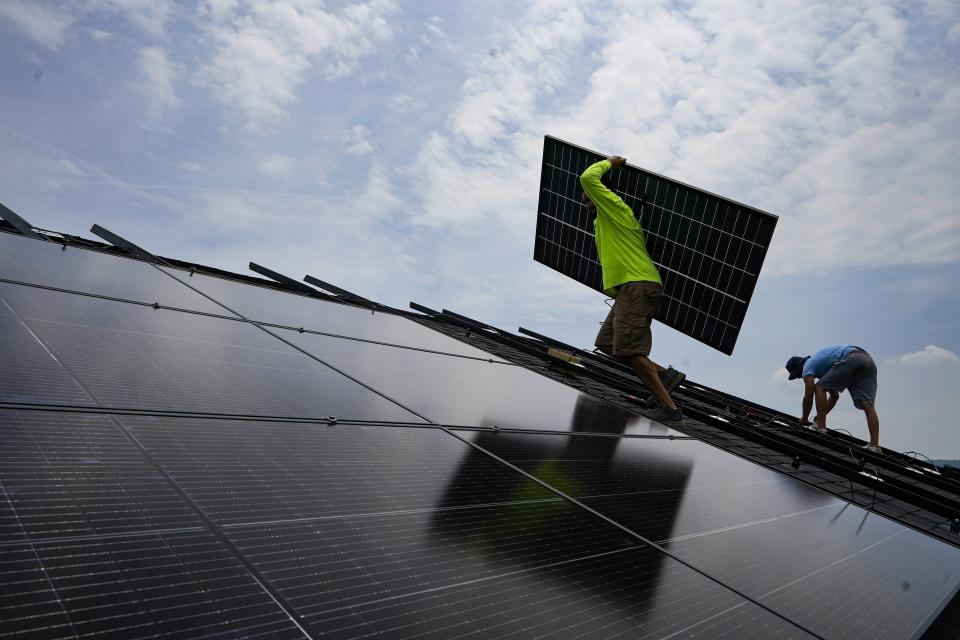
(807, 555)
(75, 475)
(30, 373)
(171, 586)
(49, 264)
(462, 392)
(841, 571)
(163, 359)
(244, 472)
(546, 570)
(709, 250)
(291, 310)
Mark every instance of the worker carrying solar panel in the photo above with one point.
(826, 374)
(632, 280)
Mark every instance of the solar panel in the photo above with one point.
(144, 510)
(183, 585)
(51, 265)
(461, 391)
(311, 314)
(133, 356)
(791, 547)
(708, 249)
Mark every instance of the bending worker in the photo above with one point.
(827, 373)
(630, 277)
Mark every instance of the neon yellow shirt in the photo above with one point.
(620, 242)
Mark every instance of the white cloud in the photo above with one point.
(501, 92)
(402, 103)
(358, 142)
(276, 164)
(149, 15)
(157, 83)
(780, 376)
(953, 36)
(266, 51)
(72, 167)
(100, 35)
(44, 24)
(930, 356)
(805, 109)
(191, 166)
(49, 26)
(433, 36)
(220, 10)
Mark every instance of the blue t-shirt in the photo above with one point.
(819, 363)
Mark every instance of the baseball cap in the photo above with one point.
(795, 366)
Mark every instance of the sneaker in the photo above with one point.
(671, 378)
(876, 449)
(662, 414)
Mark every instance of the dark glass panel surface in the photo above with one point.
(70, 474)
(48, 264)
(132, 356)
(661, 489)
(749, 527)
(29, 372)
(170, 586)
(540, 571)
(841, 571)
(259, 471)
(292, 310)
(458, 391)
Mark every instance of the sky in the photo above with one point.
(393, 148)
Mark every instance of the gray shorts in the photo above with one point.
(857, 372)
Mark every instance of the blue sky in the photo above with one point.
(393, 148)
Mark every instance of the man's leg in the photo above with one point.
(822, 406)
(873, 422)
(646, 370)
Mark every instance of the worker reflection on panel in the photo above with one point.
(630, 277)
(827, 373)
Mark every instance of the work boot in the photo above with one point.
(667, 416)
(671, 378)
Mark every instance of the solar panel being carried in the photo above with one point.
(708, 249)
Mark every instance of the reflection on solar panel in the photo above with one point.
(268, 464)
(708, 249)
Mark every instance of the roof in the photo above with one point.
(191, 452)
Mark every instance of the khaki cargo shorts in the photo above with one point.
(627, 327)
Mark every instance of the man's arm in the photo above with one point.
(602, 197)
(809, 385)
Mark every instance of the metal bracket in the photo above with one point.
(126, 245)
(342, 293)
(19, 223)
(424, 310)
(296, 285)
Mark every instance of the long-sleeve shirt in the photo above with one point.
(620, 242)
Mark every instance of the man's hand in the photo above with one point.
(617, 161)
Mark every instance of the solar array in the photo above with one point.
(709, 250)
(184, 455)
